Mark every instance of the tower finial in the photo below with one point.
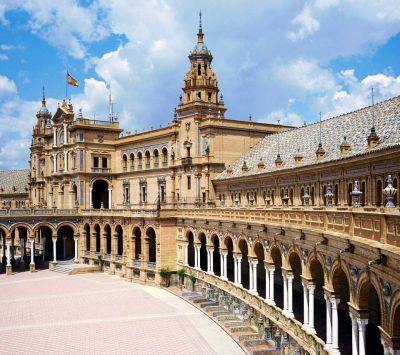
(320, 130)
(43, 98)
(373, 138)
(200, 34)
(373, 111)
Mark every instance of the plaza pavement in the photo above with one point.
(50, 313)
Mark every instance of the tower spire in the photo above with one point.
(200, 34)
(373, 138)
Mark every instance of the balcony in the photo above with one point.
(101, 170)
(187, 161)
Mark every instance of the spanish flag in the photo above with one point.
(71, 80)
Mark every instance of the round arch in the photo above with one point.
(152, 237)
(216, 254)
(190, 247)
(137, 236)
(244, 250)
(100, 194)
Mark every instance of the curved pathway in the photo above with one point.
(50, 313)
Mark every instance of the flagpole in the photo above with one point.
(66, 87)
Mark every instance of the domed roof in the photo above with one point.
(201, 48)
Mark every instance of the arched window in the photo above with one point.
(132, 161)
(164, 157)
(140, 160)
(62, 138)
(379, 193)
(156, 156)
(147, 156)
(199, 69)
(124, 162)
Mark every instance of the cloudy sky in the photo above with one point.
(276, 59)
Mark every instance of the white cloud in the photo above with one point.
(7, 86)
(3, 56)
(307, 23)
(284, 117)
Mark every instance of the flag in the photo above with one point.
(71, 80)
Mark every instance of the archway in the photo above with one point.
(369, 300)
(65, 245)
(190, 249)
(151, 235)
(317, 274)
(341, 287)
(107, 230)
(137, 235)
(98, 240)
(120, 240)
(230, 264)
(259, 251)
(45, 235)
(245, 263)
(100, 194)
(3, 247)
(298, 301)
(87, 236)
(203, 252)
(216, 256)
(278, 279)
(19, 240)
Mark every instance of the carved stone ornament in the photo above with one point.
(305, 253)
(328, 261)
(355, 273)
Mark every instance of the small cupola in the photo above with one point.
(345, 146)
(320, 152)
(298, 158)
(278, 161)
(373, 138)
(244, 166)
(229, 170)
(261, 165)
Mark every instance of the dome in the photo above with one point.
(200, 48)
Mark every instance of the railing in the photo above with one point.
(132, 168)
(151, 265)
(87, 122)
(309, 342)
(101, 170)
(87, 252)
(187, 161)
(119, 258)
(165, 164)
(107, 257)
(136, 263)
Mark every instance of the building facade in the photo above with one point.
(298, 228)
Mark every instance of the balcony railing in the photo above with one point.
(101, 170)
(136, 263)
(151, 265)
(187, 161)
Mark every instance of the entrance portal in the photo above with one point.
(100, 194)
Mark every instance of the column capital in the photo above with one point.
(311, 287)
(76, 237)
(362, 322)
(54, 239)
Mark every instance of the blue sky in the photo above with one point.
(278, 59)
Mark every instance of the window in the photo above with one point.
(96, 162)
(209, 96)
(144, 194)
(199, 69)
(81, 137)
(189, 182)
(188, 151)
(162, 193)
(104, 161)
(204, 197)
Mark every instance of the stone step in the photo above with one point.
(188, 294)
(241, 329)
(220, 313)
(209, 305)
(199, 300)
(232, 323)
(228, 317)
(262, 351)
(247, 336)
(250, 343)
(214, 308)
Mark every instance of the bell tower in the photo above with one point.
(200, 84)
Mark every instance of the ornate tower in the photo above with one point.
(200, 85)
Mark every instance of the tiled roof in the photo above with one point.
(14, 181)
(356, 126)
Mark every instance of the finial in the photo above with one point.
(320, 131)
(221, 98)
(250, 117)
(373, 111)
(44, 96)
(200, 27)
(373, 138)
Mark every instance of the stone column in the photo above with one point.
(221, 263)
(65, 161)
(65, 134)
(354, 335)
(54, 163)
(90, 198)
(271, 284)
(239, 260)
(255, 263)
(251, 279)
(285, 295)
(76, 238)
(8, 266)
(211, 260)
(195, 257)
(64, 247)
(335, 325)
(305, 305)
(311, 289)
(54, 137)
(362, 324)
(267, 296)
(328, 343)
(225, 265)
(235, 268)
(109, 198)
(54, 249)
(290, 295)
(32, 264)
(186, 253)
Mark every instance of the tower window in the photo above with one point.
(209, 96)
(199, 69)
(189, 182)
(199, 95)
(188, 97)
